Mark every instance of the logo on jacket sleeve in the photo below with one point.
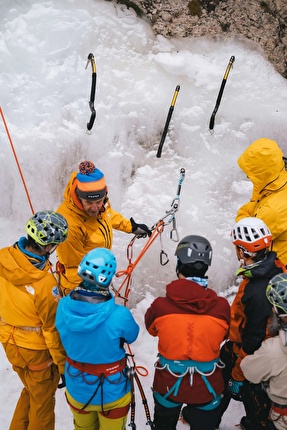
(30, 289)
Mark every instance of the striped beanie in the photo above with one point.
(91, 184)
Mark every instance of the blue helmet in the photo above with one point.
(97, 268)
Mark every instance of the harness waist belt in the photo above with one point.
(279, 409)
(19, 327)
(99, 369)
(182, 366)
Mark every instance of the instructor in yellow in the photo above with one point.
(264, 165)
(91, 221)
(28, 304)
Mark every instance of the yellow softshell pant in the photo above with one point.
(36, 404)
(94, 419)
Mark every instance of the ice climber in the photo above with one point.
(191, 322)
(29, 299)
(91, 220)
(93, 330)
(264, 164)
(250, 313)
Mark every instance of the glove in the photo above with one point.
(63, 383)
(235, 388)
(140, 229)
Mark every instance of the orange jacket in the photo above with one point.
(250, 310)
(85, 233)
(28, 304)
(191, 322)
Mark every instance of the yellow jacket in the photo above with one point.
(85, 233)
(28, 304)
(263, 164)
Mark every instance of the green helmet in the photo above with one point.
(47, 227)
(276, 292)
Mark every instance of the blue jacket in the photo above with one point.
(93, 333)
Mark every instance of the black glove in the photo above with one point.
(140, 229)
(63, 383)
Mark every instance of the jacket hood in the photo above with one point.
(263, 164)
(17, 269)
(82, 316)
(191, 296)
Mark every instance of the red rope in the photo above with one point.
(16, 159)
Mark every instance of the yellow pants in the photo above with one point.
(36, 404)
(94, 420)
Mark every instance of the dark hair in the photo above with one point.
(259, 255)
(31, 243)
(192, 269)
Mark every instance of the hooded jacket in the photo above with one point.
(263, 164)
(85, 232)
(269, 363)
(250, 310)
(28, 303)
(191, 322)
(94, 333)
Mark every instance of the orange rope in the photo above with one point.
(131, 266)
(16, 159)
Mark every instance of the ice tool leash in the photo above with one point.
(91, 59)
(212, 118)
(157, 229)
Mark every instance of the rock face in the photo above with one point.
(263, 22)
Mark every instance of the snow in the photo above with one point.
(45, 90)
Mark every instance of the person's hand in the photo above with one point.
(235, 388)
(140, 229)
(63, 383)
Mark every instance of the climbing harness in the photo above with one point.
(91, 59)
(169, 115)
(180, 368)
(157, 229)
(218, 100)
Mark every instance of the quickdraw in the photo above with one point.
(156, 229)
(91, 59)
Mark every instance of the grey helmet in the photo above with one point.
(192, 249)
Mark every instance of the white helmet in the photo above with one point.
(251, 234)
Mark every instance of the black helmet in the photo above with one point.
(194, 248)
(194, 254)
